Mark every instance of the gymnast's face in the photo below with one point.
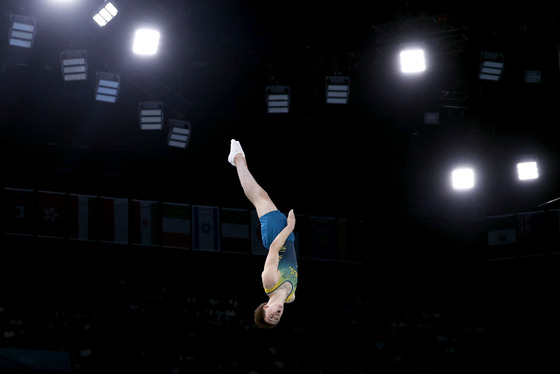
(273, 313)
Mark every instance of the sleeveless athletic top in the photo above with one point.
(287, 265)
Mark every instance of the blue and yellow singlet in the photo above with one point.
(271, 225)
(287, 266)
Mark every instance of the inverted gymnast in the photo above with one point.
(279, 276)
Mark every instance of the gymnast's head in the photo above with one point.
(267, 316)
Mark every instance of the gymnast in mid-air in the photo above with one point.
(279, 276)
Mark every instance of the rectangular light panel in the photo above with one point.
(106, 14)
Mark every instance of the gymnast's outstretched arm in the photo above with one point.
(270, 271)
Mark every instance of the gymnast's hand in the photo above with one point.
(291, 219)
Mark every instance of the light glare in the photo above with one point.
(462, 178)
(412, 61)
(527, 170)
(146, 42)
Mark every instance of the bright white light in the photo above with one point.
(462, 178)
(146, 42)
(412, 61)
(106, 14)
(527, 170)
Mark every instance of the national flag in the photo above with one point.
(553, 229)
(206, 228)
(351, 236)
(257, 246)
(51, 214)
(145, 222)
(235, 230)
(83, 213)
(113, 223)
(531, 231)
(176, 225)
(18, 211)
(501, 229)
(323, 238)
(342, 239)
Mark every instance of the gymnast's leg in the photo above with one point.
(254, 192)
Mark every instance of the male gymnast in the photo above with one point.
(279, 276)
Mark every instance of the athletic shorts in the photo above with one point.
(271, 225)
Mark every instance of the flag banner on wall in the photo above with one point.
(83, 213)
(531, 232)
(501, 229)
(51, 214)
(206, 235)
(359, 232)
(145, 222)
(323, 239)
(257, 246)
(176, 225)
(553, 229)
(18, 212)
(235, 230)
(113, 222)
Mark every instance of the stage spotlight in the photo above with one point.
(338, 90)
(74, 65)
(462, 178)
(107, 87)
(412, 59)
(278, 99)
(151, 115)
(106, 14)
(179, 133)
(491, 66)
(22, 31)
(527, 168)
(146, 42)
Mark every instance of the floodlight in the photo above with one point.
(179, 133)
(146, 42)
(527, 170)
(412, 59)
(22, 31)
(338, 90)
(278, 99)
(462, 178)
(106, 14)
(151, 115)
(74, 65)
(491, 66)
(107, 87)
(527, 167)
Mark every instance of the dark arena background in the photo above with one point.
(128, 246)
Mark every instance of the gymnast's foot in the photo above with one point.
(235, 149)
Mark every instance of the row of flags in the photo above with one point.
(169, 224)
(534, 232)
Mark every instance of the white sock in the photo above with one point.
(235, 148)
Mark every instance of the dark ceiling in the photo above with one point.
(215, 60)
